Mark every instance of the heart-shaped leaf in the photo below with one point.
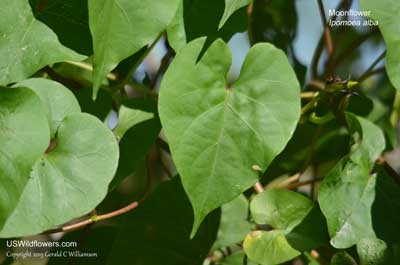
(217, 131)
(122, 27)
(352, 188)
(22, 118)
(281, 209)
(59, 101)
(72, 176)
(269, 248)
(26, 44)
(386, 12)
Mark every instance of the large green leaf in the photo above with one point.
(234, 225)
(59, 101)
(68, 19)
(158, 231)
(217, 133)
(231, 6)
(269, 248)
(72, 176)
(22, 118)
(26, 45)
(386, 13)
(351, 187)
(122, 27)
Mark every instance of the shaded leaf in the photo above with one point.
(343, 258)
(351, 187)
(159, 231)
(386, 208)
(231, 129)
(24, 39)
(234, 225)
(94, 241)
(68, 19)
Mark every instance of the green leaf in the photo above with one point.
(68, 19)
(22, 118)
(122, 27)
(231, 6)
(352, 188)
(158, 231)
(282, 209)
(386, 12)
(374, 252)
(343, 258)
(26, 44)
(59, 101)
(72, 176)
(233, 225)
(269, 248)
(129, 117)
(218, 132)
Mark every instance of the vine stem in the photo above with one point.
(258, 187)
(303, 183)
(94, 219)
(88, 67)
(370, 71)
(327, 35)
(97, 218)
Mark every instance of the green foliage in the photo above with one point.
(385, 12)
(140, 28)
(207, 121)
(179, 160)
(162, 229)
(294, 220)
(351, 186)
(27, 44)
(62, 171)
